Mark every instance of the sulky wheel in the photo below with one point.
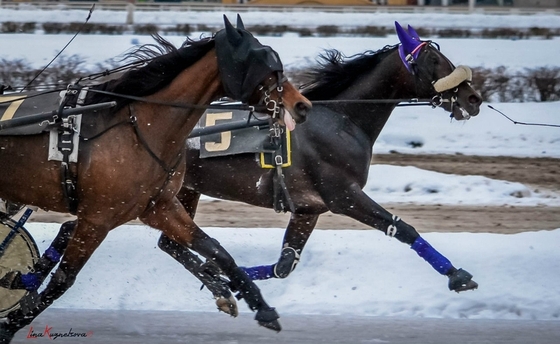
(19, 254)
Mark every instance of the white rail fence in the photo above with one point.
(218, 7)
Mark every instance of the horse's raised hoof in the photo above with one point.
(8, 281)
(6, 335)
(227, 305)
(268, 318)
(460, 280)
(211, 276)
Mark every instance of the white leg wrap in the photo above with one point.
(392, 229)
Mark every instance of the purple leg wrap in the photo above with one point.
(52, 254)
(436, 259)
(30, 281)
(261, 272)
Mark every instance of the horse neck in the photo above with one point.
(200, 84)
(388, 80)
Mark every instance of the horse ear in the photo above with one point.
(407, 41)
(413, 33)
(233, 36)
(240, 22)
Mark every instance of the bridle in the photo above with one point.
(275, 107)
(446, 88)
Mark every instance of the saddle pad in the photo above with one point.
(239, 141)
(18, 105)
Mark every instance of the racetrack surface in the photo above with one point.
(154, 327)
(538, 173)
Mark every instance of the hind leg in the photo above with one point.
(84, 242)
(172, 219)
(297, 233)
(32, 280)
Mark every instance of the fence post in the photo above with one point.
(129, 12)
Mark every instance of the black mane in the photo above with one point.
(159, 65)
(336, 72)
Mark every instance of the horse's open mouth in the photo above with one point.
(287, 120)
(460, 114)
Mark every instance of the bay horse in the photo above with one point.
(332, 152)
(131, 159)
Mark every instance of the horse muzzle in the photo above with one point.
(456, 94)
(295, 114)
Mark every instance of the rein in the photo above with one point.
(252, 108)
(410, 102)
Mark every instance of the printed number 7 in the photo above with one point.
(12, 108)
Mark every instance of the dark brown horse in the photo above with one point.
(133, 163)
(332, 152)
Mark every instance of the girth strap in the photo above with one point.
(68, 178)
(66, 132)
(280, 190)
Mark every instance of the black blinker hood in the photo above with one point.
(243, 61)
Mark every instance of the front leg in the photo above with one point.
(172, 219)
(299, 229)
(353, 202)
(206, 273)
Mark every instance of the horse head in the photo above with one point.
(436, 77)
(253, 73)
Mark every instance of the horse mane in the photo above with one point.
(336, 72)
(154, 67)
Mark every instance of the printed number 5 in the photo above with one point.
(225, 137)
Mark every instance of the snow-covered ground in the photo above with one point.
(353, 272)
(341, 272)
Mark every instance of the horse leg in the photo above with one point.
(33, 279)
(298, 231)
(83, 243)
(208, 274)
(172, 219)
(357, 205)
(204, 272)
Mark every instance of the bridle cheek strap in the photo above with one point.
(409, 60)
(274, 106)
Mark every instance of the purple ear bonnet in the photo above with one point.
(409, 41)
(413, 33)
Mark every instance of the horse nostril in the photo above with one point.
(302, 109)
(474, 99)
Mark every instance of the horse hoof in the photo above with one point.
(461, 280)
(8, 280)
(227, 305)
(268, 318)
(273, 325)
